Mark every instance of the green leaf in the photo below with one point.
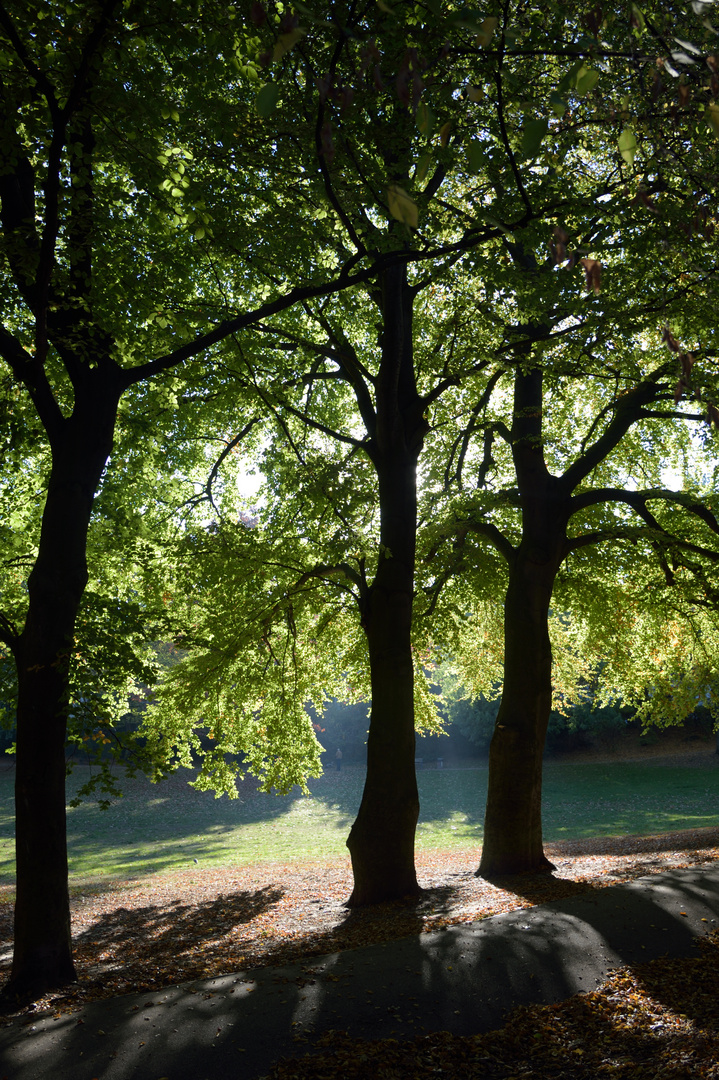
(423, 168)
(712, 115)
(475, 156)
(402, 206)
(569, 81)
(425, 120)
(557, 104)
(267, 98)
(627, 145)
(533, 132)
(587, 79)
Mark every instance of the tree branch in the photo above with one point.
(29, 371)
(9, 634)
(628, 408)
(637, 500)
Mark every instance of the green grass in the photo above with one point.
(169, 826)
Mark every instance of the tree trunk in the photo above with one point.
(381, 841)
(512, 841)
(42, 956)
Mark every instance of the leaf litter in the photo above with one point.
(141, 935)
(655, 1021)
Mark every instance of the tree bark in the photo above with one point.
(42, 957)
(512, 841)
(381, 841)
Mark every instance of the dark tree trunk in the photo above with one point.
(381, 841)
(513, 821)
(42, 956)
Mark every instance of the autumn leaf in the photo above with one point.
(592, 274)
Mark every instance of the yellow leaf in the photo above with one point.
(444, 133)
(475, 93)
(402, 206)
(487, 31)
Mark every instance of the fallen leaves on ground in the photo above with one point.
(656, 1020)
(145, 934)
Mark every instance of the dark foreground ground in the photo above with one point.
(431, 1004)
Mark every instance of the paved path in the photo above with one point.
(463, 979)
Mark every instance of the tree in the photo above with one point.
(548, 492)
(403, 169)
(104, 277)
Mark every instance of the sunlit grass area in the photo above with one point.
(172, 827)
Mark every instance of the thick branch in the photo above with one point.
(28, 370)
(628, 410)
(638, 500)
(497, 538)
(9, 634)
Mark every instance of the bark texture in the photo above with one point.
(381, 841)
(513, 820)
(42, 957)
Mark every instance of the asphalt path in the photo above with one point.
(464, 979)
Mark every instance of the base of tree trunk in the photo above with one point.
(29, 987)
(365, 897)
(512, 865)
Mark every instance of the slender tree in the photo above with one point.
(100, 219)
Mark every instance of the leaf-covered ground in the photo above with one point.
(657, 1021)
(169, 928)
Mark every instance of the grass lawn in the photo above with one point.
(172, 827)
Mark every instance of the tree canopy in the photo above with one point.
(453, 256)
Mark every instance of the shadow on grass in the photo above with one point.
(680, 841)
(168, 826)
